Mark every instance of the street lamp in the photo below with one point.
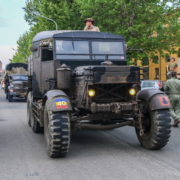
(37, 14)
(15, 50)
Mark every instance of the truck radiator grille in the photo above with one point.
(111, 92)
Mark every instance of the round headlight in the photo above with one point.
(91, 92)
(132, 92)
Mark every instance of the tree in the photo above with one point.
(64, 12)
(138, 21)
(148, 26)
(23, 48)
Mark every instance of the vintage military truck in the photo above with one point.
(16, 81)
(81, 80)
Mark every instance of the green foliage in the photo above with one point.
(23, 46)
(155, 60)
(136, 20)
(145, 61)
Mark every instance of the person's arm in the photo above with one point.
(85, 28)
(97, 29)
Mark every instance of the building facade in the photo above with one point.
(156, 69)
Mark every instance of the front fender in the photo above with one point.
(147, 94)
(154, 99)
(57, 100)
(159, 101)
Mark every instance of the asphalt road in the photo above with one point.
(94, 155)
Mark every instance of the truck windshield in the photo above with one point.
(19, 78)
(107, 48)
(72, 47)
(96, 50)
(67, 49)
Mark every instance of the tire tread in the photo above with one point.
(161, 131)
(59, 126)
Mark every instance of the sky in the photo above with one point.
(12, 25)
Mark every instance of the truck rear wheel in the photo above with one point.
(157, 129)
(32, 122)
(57, 133)
(29, 109)
(36, 126)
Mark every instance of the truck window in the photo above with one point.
(19, 77)
(46, 54)
(107, 50)
(81, 50)
(72, 49)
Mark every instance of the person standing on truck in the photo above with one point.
(89, 25)
(172, 88)
(172, 67)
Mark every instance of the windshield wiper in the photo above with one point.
(73, 46)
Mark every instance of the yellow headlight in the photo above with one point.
(91, 92)
(132, 92)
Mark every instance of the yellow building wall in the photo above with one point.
(159, 71)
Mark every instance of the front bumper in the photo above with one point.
(18, 94)
(116, 107)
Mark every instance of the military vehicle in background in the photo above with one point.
(81, 80)
(2, 79)
(16, 81)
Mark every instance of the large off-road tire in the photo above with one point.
(157, 129)
(32, 122)
(29, 109)
(36, 126)
(57, 133)
(10, 98)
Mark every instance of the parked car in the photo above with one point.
(151, 84)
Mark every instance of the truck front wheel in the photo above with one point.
(157, 129)
(57, 133)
